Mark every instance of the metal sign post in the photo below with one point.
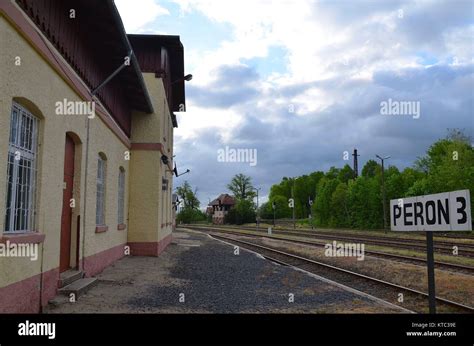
(431, 272)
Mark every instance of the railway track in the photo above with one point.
(413, 300)
(400, 258)
(404, 240)
(439, 243)
(465, 250)
(463, 235)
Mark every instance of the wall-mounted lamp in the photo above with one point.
(175, 171)
(187, 171)
(186, 78)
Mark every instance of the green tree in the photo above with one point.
(282, 189)
(188, 196)
(333, 173)
(448, 166)
(371, 169)
(244, 208)
(241, 187)
(346, 174)
(190, 212)
(282, 210)
(314, 179)
(265, 211)
(341, 200)
(365, 203)
(339, 205)
(410, 177)
(394, 184)
(322, 205)
(302, 194)
(242, 212)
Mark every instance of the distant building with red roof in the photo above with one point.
(219, 207)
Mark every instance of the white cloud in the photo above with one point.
(318, 47)
(460, 43)
(342, 57)
(191, 124)
(137, 14)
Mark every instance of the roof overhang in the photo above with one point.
(133, 79)
(174, 47)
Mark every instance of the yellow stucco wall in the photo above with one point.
(37, 86)
(145, 189)
(147, 169)
(37, 82)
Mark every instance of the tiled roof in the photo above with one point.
(223, 199)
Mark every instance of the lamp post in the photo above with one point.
(274, 208)
(293, 198)
(382, 159)
(258, 217)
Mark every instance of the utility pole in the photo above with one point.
(383, 191)
(356, 166)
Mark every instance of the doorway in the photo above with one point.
(66, 216)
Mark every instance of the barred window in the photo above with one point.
(121, 196)
(101, 176)
(21, 171)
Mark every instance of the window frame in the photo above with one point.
(21, 182)
(101, 186)
(121, 197)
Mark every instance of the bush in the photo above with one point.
(188, 215)
(231, 217)
(243, 212)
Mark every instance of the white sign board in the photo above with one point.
(449, 211)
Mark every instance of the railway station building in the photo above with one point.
(86, 144)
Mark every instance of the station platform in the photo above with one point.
(199, 274)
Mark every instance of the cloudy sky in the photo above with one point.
(303, 81)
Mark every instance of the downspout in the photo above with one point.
(41, 279)
(85, 195)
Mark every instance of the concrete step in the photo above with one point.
(68, 277)
(58, 301)
(79, 287)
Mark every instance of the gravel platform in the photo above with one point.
(198, 274)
